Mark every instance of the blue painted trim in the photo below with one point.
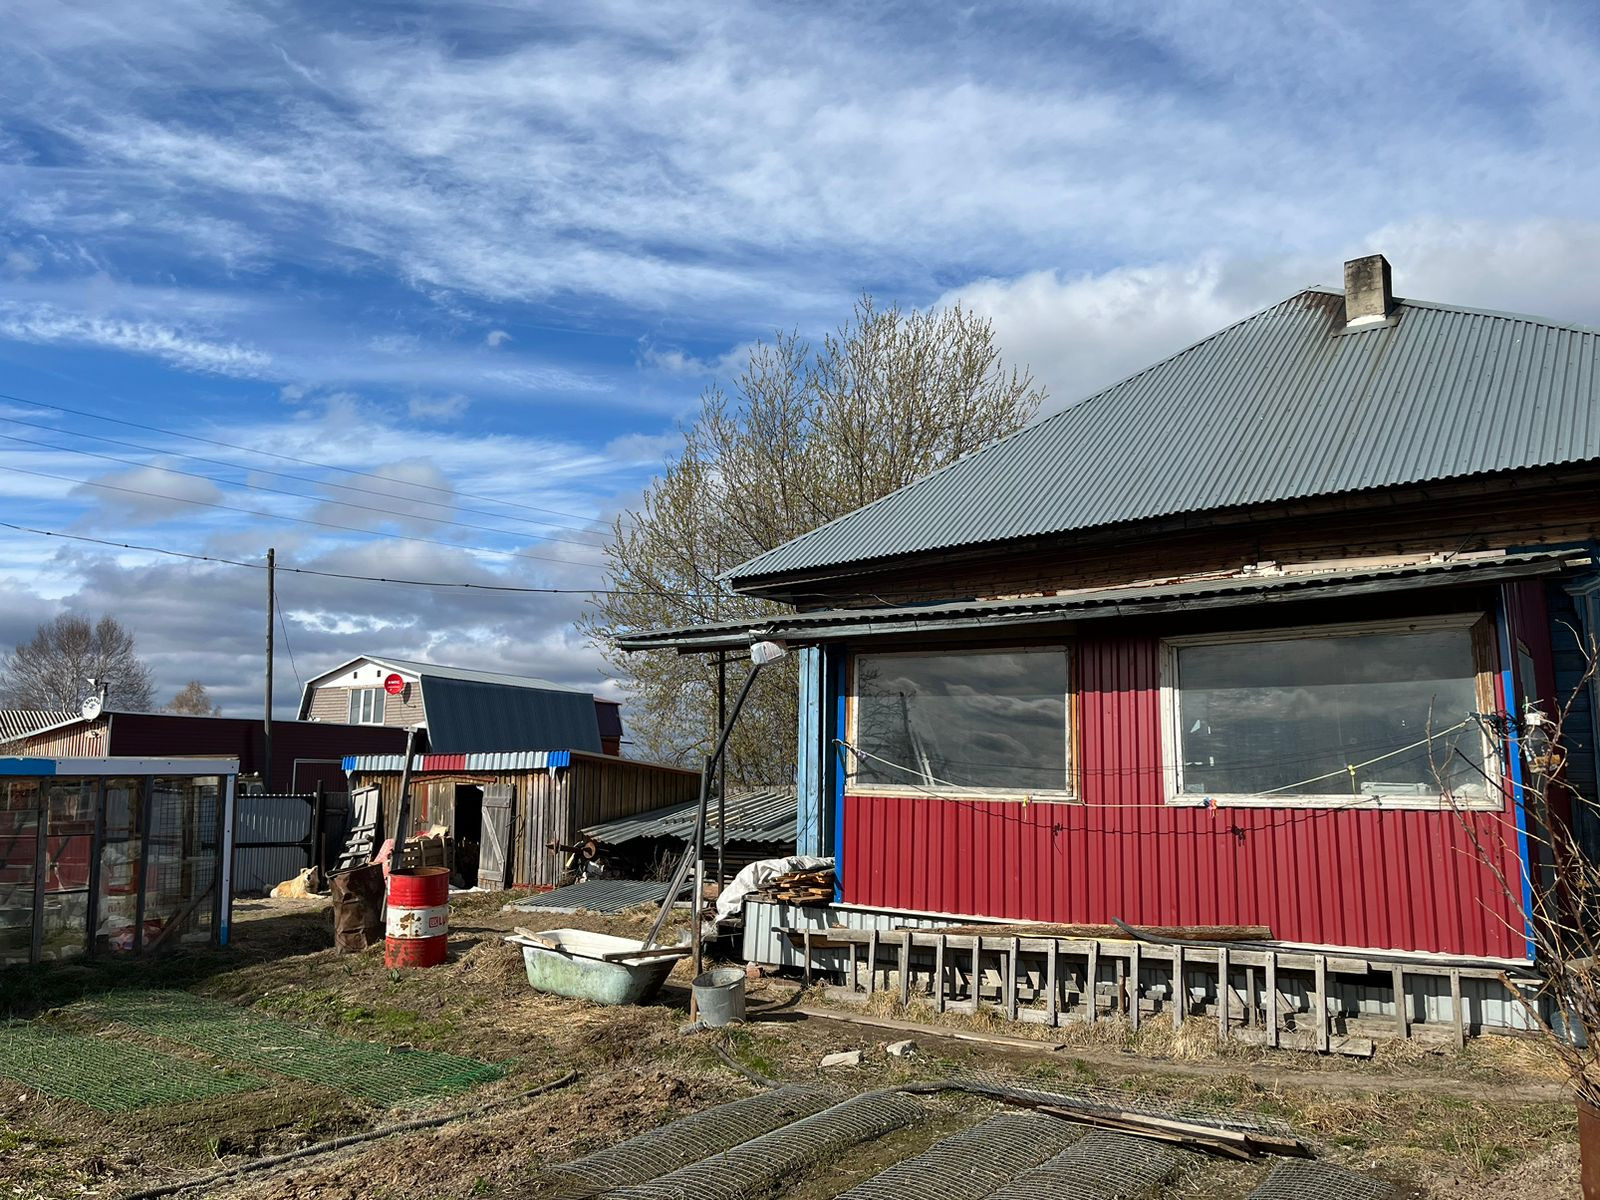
(1519, 802)
(27, 766)
(839, 661)
(349, 763)
(810, 763)
(557, 758)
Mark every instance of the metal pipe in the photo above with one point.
(402, 804)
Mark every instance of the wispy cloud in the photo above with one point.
(47, 324)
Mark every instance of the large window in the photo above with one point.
(1352, 714)
(991, 721)
(366, 706)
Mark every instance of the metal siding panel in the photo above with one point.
(811, 763)
(1279, 406)
(1380, 880)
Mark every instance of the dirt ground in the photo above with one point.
(1492, 1120)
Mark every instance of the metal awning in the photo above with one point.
(1232, 591)
(756, 816)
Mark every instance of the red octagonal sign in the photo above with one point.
(394, 685)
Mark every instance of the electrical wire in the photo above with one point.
(284, 626)
(255, 469)
(261, 487)
(433, 583)
(304, 462)
(255, 512)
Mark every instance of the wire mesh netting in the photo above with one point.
(685, 1141)
(753, 1167)
(1100, 1166)
(373, 1071)
(112, 1076)
(972, 1164)
(1295, 1179)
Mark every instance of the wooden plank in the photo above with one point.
(1091, 978)
(953, 1033)
(806, 969)
(1457, 1018)
(1012, 987)
(1272, 1000)
(977, 972)
(1320, 1002)
(938, 974)
(855, 970)
(1355, 1047)
(872, 963)
(1402, 1015)
(1249, 996)
(1224, 992)
(1053, 987)
(905, 971)
(1133, 986)
(1119, 981)
(1180, 993)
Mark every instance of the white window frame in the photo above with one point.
(364, 699)
(1065, 795)
(1172, 720)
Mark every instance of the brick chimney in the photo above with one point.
(1368, 293)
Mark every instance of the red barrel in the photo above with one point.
(419, 918)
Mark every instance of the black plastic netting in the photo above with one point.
(1300, 1180)
(756, 1166)
(972, 1164)
(1101, 1166)
(685, 1141)
(374, 1071)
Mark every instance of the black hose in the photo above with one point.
(354, 1139)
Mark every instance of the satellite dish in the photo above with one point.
(91, 708)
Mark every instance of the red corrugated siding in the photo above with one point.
(1381, 880)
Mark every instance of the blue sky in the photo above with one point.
(494, 252)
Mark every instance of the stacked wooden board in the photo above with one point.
(802, 887)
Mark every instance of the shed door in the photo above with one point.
(495, 852)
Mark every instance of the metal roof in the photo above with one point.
(754, 816)
(413, 666)
(498, 760)
(466, 715)
(1182, 596)
(595, 895)
(1283, 405)
(18, 723)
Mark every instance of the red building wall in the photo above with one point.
(1398, 880)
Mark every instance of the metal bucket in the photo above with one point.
(719, 996)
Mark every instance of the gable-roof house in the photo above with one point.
(464, 711)
(1226, 644)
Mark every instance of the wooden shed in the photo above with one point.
(503, 809)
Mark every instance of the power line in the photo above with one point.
(284, 625)
(433, 583)
(254, 512)
(234, 466)
(389, 512)
(304, 462)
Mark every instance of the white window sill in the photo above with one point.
(1361, 804)
(895, 792)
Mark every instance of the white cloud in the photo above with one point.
(145, 494)
(438, 408)
(496, 337)
(648, 449)
(43, 323)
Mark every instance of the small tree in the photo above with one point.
(194, 700)
(54, 669)
(805, 436)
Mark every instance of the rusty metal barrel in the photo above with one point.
(419, 917)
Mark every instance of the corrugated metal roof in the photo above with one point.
(807, 627)
(466, 716)
(492, 761)
(754, 816)
(413, 666)
(1286, 404)
(596, 895)
(23, 722)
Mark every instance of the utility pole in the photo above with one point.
(266, 716)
